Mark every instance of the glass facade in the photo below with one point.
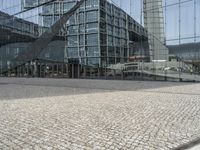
(100, 40)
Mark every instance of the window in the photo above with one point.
(30, 3)
(16, 51)
(123, 33)
(116, 22)
(117, 42)
(72, 41)
(81, 17)
(103, 51)
(72, 20)
(111, 51)
(117, 31)
(72, 29)
(56, 8)
(123, 42)
(56, 18)
(92, 51)
(82, 52)
(103, 39)
(123, 23)
(48, 20)
(82, 29)
(26, 27)
(91, 3)
(118, 51)
(92, 39)
(72, 52)
(92, 16)
(108, 8)
(48, 9)
(110, 29)
(93, 61)
(110, 40)
(109, 19)
(68, 6)
(81, 40)
(92, 27)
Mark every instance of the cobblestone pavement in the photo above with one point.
(97, 114)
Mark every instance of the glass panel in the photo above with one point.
(92, 51)
(92, 27)
(92, 16)
(92, 39)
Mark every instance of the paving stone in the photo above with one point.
(156, 116)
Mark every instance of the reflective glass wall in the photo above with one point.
(109, 39)
(182, 28)
(173, 38)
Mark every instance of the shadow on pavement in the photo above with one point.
(17, 88)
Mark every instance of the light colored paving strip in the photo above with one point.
(195, 148)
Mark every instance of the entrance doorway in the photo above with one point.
(74, 70)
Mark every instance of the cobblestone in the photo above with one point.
(164, 117)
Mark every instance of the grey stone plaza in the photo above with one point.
(98, 114)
